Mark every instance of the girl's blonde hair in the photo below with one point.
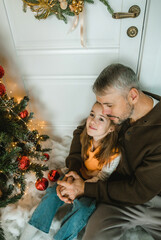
(108, 146)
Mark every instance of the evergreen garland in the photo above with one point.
(59, 8)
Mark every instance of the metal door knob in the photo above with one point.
(134, 12)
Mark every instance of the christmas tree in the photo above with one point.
(21, 149)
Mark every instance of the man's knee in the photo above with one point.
(105, 224)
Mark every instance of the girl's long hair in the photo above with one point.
(108, 146)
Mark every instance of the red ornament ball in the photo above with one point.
(47, 156)
(2, 89)
(23, 114)
(1, 72)
(41, 184)
(53, 175)
(24, 163)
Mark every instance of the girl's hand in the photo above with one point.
(63, 198)
(60, 189)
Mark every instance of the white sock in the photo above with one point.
(28, 233)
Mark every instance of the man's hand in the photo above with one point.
(60, 188)
(72, 189)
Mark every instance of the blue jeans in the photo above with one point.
(73, 222)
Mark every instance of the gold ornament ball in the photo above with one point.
(80, 2)
(80, 9)
(76, 11)
(74, 2)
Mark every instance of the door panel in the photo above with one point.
(69, 62)
(57, 71)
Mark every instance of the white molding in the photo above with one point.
(6, 23)
(145, 27)
(67, 51)
(61, 79)
(55, 45)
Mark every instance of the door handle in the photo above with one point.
(134, 12)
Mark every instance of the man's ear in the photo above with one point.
(133, 95)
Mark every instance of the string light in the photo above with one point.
(9, 106)
(18, 99)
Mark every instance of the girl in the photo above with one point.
(101, 156)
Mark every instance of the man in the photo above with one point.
(132, 194)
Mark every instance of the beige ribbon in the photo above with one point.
(82, 29)
(75, 24)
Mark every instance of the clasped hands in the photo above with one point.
(70, 187)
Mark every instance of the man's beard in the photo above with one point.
(125, 116)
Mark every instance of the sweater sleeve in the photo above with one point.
(139, 188)
(108, 169)
(74, 160)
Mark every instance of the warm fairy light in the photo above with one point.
(18, 99)
(26, 191)
(42, 125)
(10, 91)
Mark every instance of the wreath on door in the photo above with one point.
(60, 8)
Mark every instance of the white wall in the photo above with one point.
(150, 75)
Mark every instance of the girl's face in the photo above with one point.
(98, 124)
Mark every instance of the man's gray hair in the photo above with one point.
(118, 76)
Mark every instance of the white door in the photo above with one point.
(57, 71)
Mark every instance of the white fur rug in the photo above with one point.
(15, 216)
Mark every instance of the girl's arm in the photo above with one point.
(106, 170)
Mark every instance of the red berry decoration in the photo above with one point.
(23, 114)
(2, 89)
(41, 184)
(53, 175)
(1, 72)
(46, 156)
(24, 163)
